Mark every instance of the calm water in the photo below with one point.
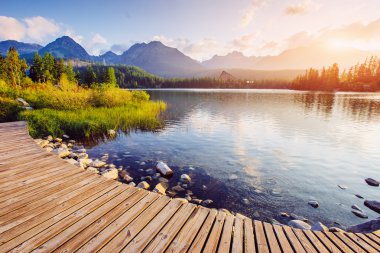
(276, 149)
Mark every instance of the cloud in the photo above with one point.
(11, 29)
(39, 28)
(98, 39)
(244, 42)
(76, 37)
(251, 11)
(301, 8)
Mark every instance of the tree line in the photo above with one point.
(361, 77)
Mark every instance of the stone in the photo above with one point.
(112, 174)
(150, 172)
(97, 163)
(196, 201)
(245, 201)
(147, 178)
(65, 136)
(204, 187)
(359, 196)
(171, 194)
(132, 184)
(161, 188)
(275, 222)
(82, 155)
(360, 214)
(84, 162)
(356, 208)
(185, 178)
(233, 177)
(61, 152)
(111, 132)
(343, 187)
(49, 138)
(319, 227)
(373, 205)
(127, 178)
(162, 179)
(92, 169)
(296, 217)
(313, 203)
(58, 140)
(178, 188)
(123, 173)
(142, 163)
(44, 143)
(336, 229)
(143, 185)
(283, 214)
(164, 169)
(207, 202)
(372, 182)
(299, 224)
(366, 227)
(22, 102)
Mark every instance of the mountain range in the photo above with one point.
(165, 61)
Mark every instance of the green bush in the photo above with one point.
(9, 109)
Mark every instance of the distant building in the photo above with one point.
(224, 76)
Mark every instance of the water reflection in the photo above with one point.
(261, 152)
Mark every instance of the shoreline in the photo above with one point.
(75, 154)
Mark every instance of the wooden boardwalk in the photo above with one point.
(48, 205)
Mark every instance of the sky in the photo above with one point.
(198, 28)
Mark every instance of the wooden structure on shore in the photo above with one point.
(49, 205)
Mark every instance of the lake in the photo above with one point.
(262, 152)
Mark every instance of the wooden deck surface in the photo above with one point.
(49, 205)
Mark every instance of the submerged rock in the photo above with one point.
(207, 202)
(367, 227)
(283, 214)
(356, 208)
(127, 178)
(359, 196)
(372, 182)
(314, 203)
(299, 224)
(185, 178)
(343, 187)
(360, 214)
(143, 185)
(319, 227)
(373, 205)
(297, 217)
(164, 169)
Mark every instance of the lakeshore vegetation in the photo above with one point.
(57, 103)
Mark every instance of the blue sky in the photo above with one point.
(199, 28)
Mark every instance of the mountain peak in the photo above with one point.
(65, 47)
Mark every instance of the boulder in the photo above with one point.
(360, 214)
(127, 179)
(299, 224)
(373, 205)
(185, 178)
(65, 136)
(132, 184)
(123, 173)
(143, 185)
(61, 152)
(97, 163)
(372, 182)
(22, 102)
(161, 188)
(164, 169)
(314, 203)
(111, 132)
(319, 227)
(58, 140)
(112, 174)
(366, 227)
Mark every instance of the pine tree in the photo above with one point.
(36, 71)
(15, 68)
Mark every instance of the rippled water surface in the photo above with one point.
(276, 149)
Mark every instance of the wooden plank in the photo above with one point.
(182, 241)
(304, 241)
(125, 212)
(213, 239)
(363, 243)
(262, 245)
(104, 191)
(201, 237)
(373, 238)
(226, 238)
(238, 235)
(249, 238)
(107, 201)
(170, 230)
(119, 233)
(297, 246)
(272, 239)
(154, 226)
(342, 246)
(316, 243)
(349, 243)
(326, 241)
(283, 241)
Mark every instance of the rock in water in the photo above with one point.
(299, 224)
(367, 227)
(319, 227)
(356, 208)
(360, 214)
(335, 229)
(127, 179)
(61, 152)
(164, 169)
(185, 178)
(112, 174)
(372, 182)
(97, 163)
(359, 196)
(373, 205)
(143, 185)
(343, 187)
(207, 202)
(161, 188)
(314, 203)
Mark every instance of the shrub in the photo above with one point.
(9, 109)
